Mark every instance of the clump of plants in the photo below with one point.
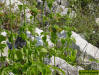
(24, 56)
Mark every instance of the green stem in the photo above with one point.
(43, 15)
(24, 16)
(11, 16)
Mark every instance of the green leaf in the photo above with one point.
(50, 3)
(54, 37)
(44, 50)
(19, 54)
(34, 11)
(2, 38)
(63, 41)
(44, 38)
(2, 46)
(20, 7)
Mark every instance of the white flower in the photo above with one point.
(93, 31)
(4, 33)
(97, 21)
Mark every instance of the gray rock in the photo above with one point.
(62, 10)
(15, 8)
(65, 3)
(84, 46)
(65, 11)
(67, 68)
(5, 53)
(72, 14)
(62, 2)
(87, 50)
(39, 37)
(81, 44)
(58, 2)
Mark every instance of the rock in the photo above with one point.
(65, 3)
(38, 31)
(72, 14)
(5, 53)
(39, 41)
(87, 50)
(82, 35)
(29, 35)
(81, 44)
(62, 2)
(60, 9)
(49, 42)
(15, 3)
(79, 68)
(67, 68)
(15, 8)
(58, 2)
(65, 11)
(39, 37)
(84, 46)
(47, 60)
(28, 15)
(62, 34)
(19, 43)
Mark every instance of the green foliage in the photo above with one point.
(20, 7)
(84, 22)
(29, 60)
(50, 3)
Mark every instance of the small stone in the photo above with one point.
(19, 43)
